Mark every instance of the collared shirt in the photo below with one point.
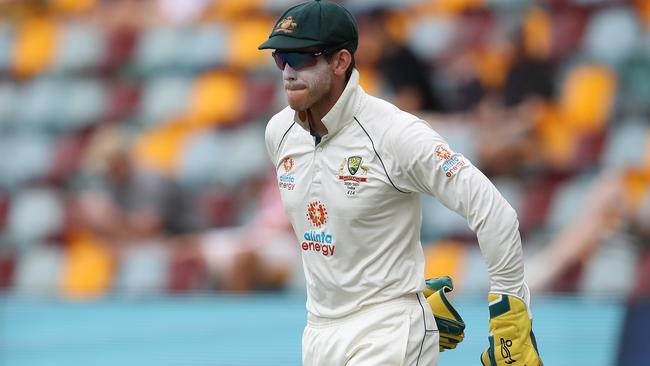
(354, 203)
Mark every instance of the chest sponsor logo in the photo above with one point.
(316, 241)
(317, 213)
(352, 173)
(451, 163)
(287, 181)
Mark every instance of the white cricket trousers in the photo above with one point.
(399, 332)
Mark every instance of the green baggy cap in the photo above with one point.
(314, 23)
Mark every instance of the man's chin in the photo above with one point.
(297, 99)
(298, 105)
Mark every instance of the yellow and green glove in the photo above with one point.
(451, 326)
(511, 339)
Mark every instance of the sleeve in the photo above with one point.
(271, 144)
(425, 163)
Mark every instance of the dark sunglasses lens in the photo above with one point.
(279, 60)
(295, 59)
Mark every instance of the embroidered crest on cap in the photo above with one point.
(286, 25)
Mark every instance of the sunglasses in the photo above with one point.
(298, 60)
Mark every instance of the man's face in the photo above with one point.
(308, 85)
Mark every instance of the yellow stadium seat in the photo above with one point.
(369, 80)
(557, 139)
(246, 35)
(34, 49)
(537, 29)
(637, 185)
(217, 97)
(73, 6)
(451, 7)
(88, 268)
(492, 65)
(643, 9)
(398, 25)
(587, 97)
(445, 258)
(159, 148)
(233, 9)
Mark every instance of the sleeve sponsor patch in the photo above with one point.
(451, 162)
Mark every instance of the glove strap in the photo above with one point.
(499, 306)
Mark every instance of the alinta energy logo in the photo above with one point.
(287, 164)
(442, 153)
(287, 180)
(451, 163)
(315, 241)
(317, 213)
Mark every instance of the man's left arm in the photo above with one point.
(427, 164)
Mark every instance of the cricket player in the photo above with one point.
(350, 168)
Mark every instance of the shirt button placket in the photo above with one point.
(316, 179)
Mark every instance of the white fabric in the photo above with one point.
(399, 332)
(367, 249)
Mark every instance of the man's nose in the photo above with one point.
(288, 73)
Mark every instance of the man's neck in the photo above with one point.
(316, 113)
(316, 125)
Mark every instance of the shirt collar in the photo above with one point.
(343, 111)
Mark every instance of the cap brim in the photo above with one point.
(282, 42)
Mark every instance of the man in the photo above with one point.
(350, 168)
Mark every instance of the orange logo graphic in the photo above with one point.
(287, 164)
(317, 214)
(442, 152)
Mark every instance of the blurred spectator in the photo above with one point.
(531, 73)
(613, 217)
(259, 255)
(407, 76)
(123, 201)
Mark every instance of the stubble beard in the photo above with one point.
(317, 83)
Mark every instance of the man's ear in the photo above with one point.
(341, 61)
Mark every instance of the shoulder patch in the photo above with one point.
(442, 152)
(451, 162)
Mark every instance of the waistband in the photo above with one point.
(399, 302)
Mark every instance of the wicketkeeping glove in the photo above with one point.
(451, 326)
(511, 339)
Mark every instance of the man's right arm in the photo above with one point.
(270, 144)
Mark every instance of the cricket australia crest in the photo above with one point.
(350, 178)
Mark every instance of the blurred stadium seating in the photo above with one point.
(131, 128)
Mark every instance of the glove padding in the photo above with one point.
(451, 326)
(511, 339)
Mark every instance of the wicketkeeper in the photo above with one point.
(351, 168)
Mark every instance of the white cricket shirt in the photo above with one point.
(354, 202)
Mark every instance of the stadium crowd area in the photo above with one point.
(132, 158)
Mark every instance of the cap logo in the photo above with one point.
(286, 25)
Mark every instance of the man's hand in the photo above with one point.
(450, 325)
(512, 341)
